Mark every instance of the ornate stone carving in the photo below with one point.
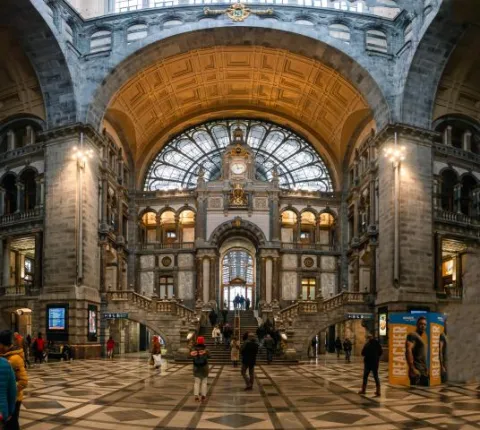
(238, 196)
(260, 203)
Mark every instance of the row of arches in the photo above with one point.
(459, 193)
(20, 192)
(307, 227)
(167, 226)
(18, 133)
(460, 132)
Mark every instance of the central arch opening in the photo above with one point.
(237, 273)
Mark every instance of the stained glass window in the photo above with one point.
(298, 165)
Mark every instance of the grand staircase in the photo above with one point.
(248, 323)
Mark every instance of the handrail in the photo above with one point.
(21, 216)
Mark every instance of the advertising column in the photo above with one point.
(417, 347)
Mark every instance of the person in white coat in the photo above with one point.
(217, 335)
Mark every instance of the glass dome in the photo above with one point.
(298, 164)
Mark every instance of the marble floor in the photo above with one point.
(127, 394)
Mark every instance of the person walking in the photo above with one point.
(242, 302)
(371, 353)
(347, 347)
(216, 335)
(236, 301)
(212, 316)
(247, 304)
(110, 347)
(269, 344)
(8, 392)
(234, 351)
(15, 357)
(313, 346)
(225, 313)
(156, 353)
(199, 355)
(261, 333)
(38, 348)
(22, 344)
(227, 334)
(338, 346)
(249, 353)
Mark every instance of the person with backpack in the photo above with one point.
(38, 347)
(8, 392)
(249, 353)
(15, 357)
(347, 347)
(199, 355)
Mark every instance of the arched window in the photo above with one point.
(101, 41)
(307, 227)
(187, 226)
(377, 41)
(169, 228)
(9, 184)
(327, 223)
(136, 32)
(30, 189)
(466, 198)
(298, 164)
(289, 226)
(238, 276)
(449, 180)
(340, 31)
(149, 223)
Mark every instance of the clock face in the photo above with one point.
(238, 168)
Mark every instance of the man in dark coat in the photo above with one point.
(249, 353)
(247, 304)
(371, 353)
(347, 347)
(270, 347)
(212, 316)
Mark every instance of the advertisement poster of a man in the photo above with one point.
(416, 347)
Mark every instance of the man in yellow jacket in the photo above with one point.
(15, 356)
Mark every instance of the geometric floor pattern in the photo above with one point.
(127, 394)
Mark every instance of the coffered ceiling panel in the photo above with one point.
(250, 77)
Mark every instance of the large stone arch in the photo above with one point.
(40, 43)
(427, 66)
(238, 227)
(371, 83)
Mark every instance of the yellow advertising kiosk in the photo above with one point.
(417, 349)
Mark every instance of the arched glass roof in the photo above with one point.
(298, 164)
(237, 264)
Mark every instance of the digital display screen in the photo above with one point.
(92, 321)
(382, 324)
(56, 318)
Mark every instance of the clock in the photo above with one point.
(237, 168)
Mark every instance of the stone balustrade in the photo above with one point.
(456, 217)
(344, 298)
(16, 217)
(18, 290)
(159, 245)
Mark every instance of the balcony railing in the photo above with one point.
(19, 290)
(307, 246)
(21, 216)
(18, 152)
(453, 292)
(442, 215)
(175, 245)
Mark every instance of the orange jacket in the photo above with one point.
(16, 358)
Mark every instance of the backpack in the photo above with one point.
(200, 360)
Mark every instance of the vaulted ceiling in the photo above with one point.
(19, 88)
(257, 79)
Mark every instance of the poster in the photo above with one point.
(382, 324)
(56, 318)
(416, 343)
(92, 322)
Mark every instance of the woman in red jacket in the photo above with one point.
(110, 347)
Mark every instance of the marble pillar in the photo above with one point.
(268, 280)
(206, 280)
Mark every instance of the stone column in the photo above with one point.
(104, 201)
(263, 294)
(200, 218)
(268, 279)
(275, 218)
(177, 229)
(416, 268)
(467, 141)
(38, 280)
(2, 201)
(206, 279)
(458, 271)
(30, 135)
(11, 140)
(199, 280)
(159, 237)
(447, 136)
(436, 193)
(120, 215)
(38, 192)
(213, 272)
(20, 196)
(457, 193)
(372, 202)
(6, 262)
(276, 278)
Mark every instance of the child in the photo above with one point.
(199, 355)
(110, 347)
(217, 335)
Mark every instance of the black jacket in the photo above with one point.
(249, 352)
(372, 352)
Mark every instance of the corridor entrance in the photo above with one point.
(238, 276)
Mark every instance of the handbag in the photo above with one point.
(157, 360)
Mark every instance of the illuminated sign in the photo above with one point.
(382, 324)
(115, 315)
